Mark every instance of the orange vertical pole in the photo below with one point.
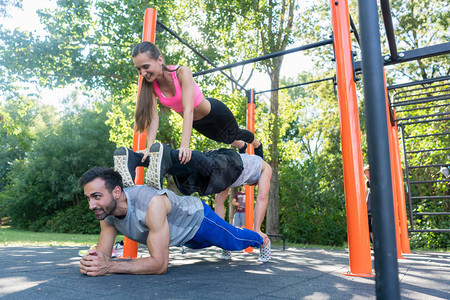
(250, 189)
(394, 178)
(403, 220)
(130, 249)
(356, 207)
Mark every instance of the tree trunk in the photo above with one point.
(273, 217)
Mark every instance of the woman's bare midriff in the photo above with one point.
(201, 111)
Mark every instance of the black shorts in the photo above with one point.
(221, 126)
(227, 166)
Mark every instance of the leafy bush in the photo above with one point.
(76, 219)
(43, 186)
(313, 211)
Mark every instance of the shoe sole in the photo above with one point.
(265, 253)
(121, 166)
(153, 176)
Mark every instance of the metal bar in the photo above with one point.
(432, 197)
(414, 54)
(421, 100)
(295, 85)
(420, 94)
(428, 166)
(355, 31)
(427, 150)
(386, 265)
(426, 135)
(429, 181)
(420, 89)
(432, 214)
(425, 121)
(423, 116)
(408, 183)
(199, 54)
(429, 230)
(357, 225)
(425, 81)
(386, 11)
(267, 56)
(422, 108)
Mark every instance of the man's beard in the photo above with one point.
(107, 210)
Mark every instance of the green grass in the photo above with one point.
(15, 237)
(10, 237)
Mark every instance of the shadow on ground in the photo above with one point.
(53, 272)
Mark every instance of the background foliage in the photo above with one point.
(87, 44)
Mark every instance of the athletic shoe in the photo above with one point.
(159, 163)
(226, 255)
(259, 151)
(125, 163)
(264, 253)
(84, 252)
(243, 149)
(117, 250)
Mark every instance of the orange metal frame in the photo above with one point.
(250, 189)
(357, 220)
(139, 139)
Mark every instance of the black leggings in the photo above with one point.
(221, 126)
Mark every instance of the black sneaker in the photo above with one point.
(243, 149)
(125, 163)
(159, 163)
(259, 151)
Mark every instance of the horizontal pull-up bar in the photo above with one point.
(295, 85)
(425, 121)
(427, 150)
(428, 230)
(422, 116)
(421, 108)
(426, 92)
(433, 197)
(428, 166)
(414, 54)
(425, 81)
(267, 56)
(428, 181)
(421, 100)
(198, 53)
(426, 135)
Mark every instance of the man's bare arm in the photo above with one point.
(157, 243)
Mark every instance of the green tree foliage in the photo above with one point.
(16, 119)
(89, 43)
(312, 197)
(42, 189)
(6, 4)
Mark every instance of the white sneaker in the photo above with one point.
(226, 255)
(265, 253)
(117, 250)
(159, 163)
(125, 165)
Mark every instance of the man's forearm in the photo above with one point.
(147, 265)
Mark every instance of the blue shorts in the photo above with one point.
(214, 231)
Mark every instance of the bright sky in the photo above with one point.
(27, 19)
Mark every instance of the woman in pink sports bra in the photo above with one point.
(175, 87)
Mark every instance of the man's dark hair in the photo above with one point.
(111, 177)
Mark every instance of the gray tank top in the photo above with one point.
(251, 172)
(184, 218)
